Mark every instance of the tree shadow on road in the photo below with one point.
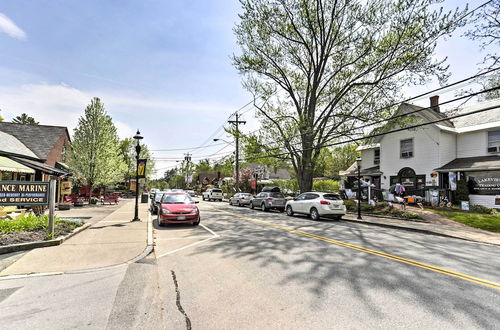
(323, 269)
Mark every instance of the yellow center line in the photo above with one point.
(411, 262)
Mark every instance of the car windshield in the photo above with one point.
(331, 197)
(277, 195)
(158, 197)
(177, 199)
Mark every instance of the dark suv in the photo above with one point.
(268, 200)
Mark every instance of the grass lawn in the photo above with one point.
(489, 222)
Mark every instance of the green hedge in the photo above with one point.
(31, 222)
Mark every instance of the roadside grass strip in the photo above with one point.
(410, 262)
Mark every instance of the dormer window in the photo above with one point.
(406, 148)
(376, 156)
(494, 141)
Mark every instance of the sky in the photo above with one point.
(159, 66)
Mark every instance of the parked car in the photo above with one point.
(240, 199)
(191, 193)
(212, 194)
(317, 205)
(155, 202)
(176, 207)
(268, 200)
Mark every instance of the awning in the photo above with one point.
(353, 171)
(40, 166)
(9, 165)
(483, 163)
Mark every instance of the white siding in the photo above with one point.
(425, 153)
(484, 200)
(367, 157)
(472, 144)
(447, 147)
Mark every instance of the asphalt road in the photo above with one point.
(245, 269)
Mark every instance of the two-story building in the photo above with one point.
(433, 157)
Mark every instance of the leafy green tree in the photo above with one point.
(94, 154)
(1, 118)
(225, 166)
(342, 157)
(287, 186)
(486, 29)
(203, 166)
(25, 120)
(322, 67)
(255, 151)
(128, 154)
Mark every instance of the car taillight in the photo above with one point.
(324, 202)
(270, 198)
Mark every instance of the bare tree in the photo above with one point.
(323, 66)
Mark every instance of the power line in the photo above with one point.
(385, 133)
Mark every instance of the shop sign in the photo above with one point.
(465, 206)
(66, 187)
(24, 193)
(484, 182)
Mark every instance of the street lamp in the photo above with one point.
(215, 140)
(358, 163)
(137, 137)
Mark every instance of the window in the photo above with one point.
(494, 141)
(312, 196)
(406, 147)
(376, 157)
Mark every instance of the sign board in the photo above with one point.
(66, 187)
(484, 182)
(24, 193)
(141, 168)
(253, 184)
(465, 206)
(452, 176)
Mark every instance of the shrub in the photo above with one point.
(367, 208)
(382, 205)
(410, 215)
(29, 222)
(350, 205)
(462, 192)
(326, 186)
(482, 209)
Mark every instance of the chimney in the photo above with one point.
(435, 103)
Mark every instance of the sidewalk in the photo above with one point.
(461, 232)
(110, 241)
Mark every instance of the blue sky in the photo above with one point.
(161, 66)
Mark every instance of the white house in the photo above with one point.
(424, 159)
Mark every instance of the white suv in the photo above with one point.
(317, 205)
(212, 194)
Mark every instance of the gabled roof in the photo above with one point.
(10, 144)
(40, 139)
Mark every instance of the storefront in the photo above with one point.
(414, 183)
(482, 175)
(11, 170)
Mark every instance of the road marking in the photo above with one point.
(410, 262)
(214, 235)
(178, 238)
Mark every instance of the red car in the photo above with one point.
(178, 208)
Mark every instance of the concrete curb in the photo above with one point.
(39, 244)
(149, 248)
(418, 230)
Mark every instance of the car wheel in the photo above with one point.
(196, 223)
(314, 214)
(289, 211)
(239, 204)
(251, 205)
(263, 207)
(339, 218)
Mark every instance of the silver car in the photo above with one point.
(268, 200)
(240, 199)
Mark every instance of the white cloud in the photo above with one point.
(9, 27)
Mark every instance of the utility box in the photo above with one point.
(144, 198)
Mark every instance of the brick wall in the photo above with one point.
(56, 154)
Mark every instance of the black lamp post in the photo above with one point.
(137, 137)
(358, 163)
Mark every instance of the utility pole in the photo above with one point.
(187, 158)
(237, 137)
